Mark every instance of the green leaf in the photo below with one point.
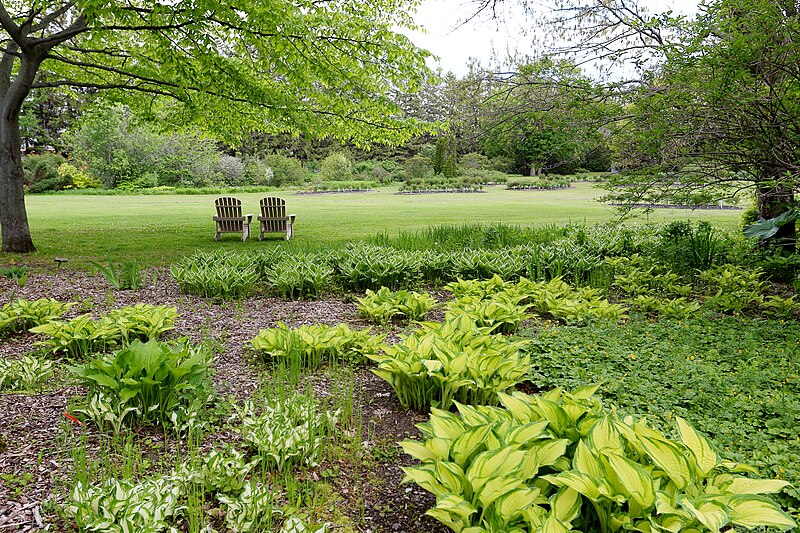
(744, 485)
(754, 511)
(707, 459)
(669, 458)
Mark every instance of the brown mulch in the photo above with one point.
(35, 464)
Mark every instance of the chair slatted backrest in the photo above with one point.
(273, 214)
(229, 208)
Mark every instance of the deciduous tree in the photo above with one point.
(324, 67)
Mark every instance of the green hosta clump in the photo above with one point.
(144, 321)
(311, 345)
(146, 382)
(478, 288)
(734, 288)
(303, 276)
(122, 506)
(501, 312)
(636, 275)
(559, 462)
(385, 305)
(451, 361)
(217, 274)
(673, 308)
(780, 307)
(27, 373)
(360, 266)
(20, 314)
(83, 335)
(567, 304)
(286, 431)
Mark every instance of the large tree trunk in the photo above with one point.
(13, 217)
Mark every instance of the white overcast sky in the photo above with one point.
(483, 37)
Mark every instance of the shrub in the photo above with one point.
(285, 170)
(232, 170)
(336, 167)
(42, 167)
(560, 462)
(417, 168)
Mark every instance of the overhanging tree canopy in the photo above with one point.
(322, 67)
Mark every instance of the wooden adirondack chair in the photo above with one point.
(274, 218)
(230, 219)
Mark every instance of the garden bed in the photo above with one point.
(437, 191)
(35, 435)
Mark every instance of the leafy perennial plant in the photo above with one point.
(560, 462)
(451, 361)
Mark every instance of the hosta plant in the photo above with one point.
(500, 312)
(734, 288)
(21, 314)
(672, 308)
(83, 335)
(252, 509)
(476, 287)
(451, 361)
(123, 506)
(288, 431)
(310, 346)
(559, 462)
(568, 304)
(148, 380)
(79, 337)
(300, 277)
(385, 305)
(27, 373)
(228, 276)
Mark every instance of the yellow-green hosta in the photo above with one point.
(560, 462)
(385, 305)
(451, 361)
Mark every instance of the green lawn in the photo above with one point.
(157, 229)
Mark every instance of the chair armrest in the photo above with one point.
(249, 217)
(291, 218)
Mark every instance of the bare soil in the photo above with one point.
(35, 434)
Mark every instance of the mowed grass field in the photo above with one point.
(155, 230)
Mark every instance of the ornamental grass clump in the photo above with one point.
(560, 462)
(384, 306)
(310, 346)
(455, 360)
